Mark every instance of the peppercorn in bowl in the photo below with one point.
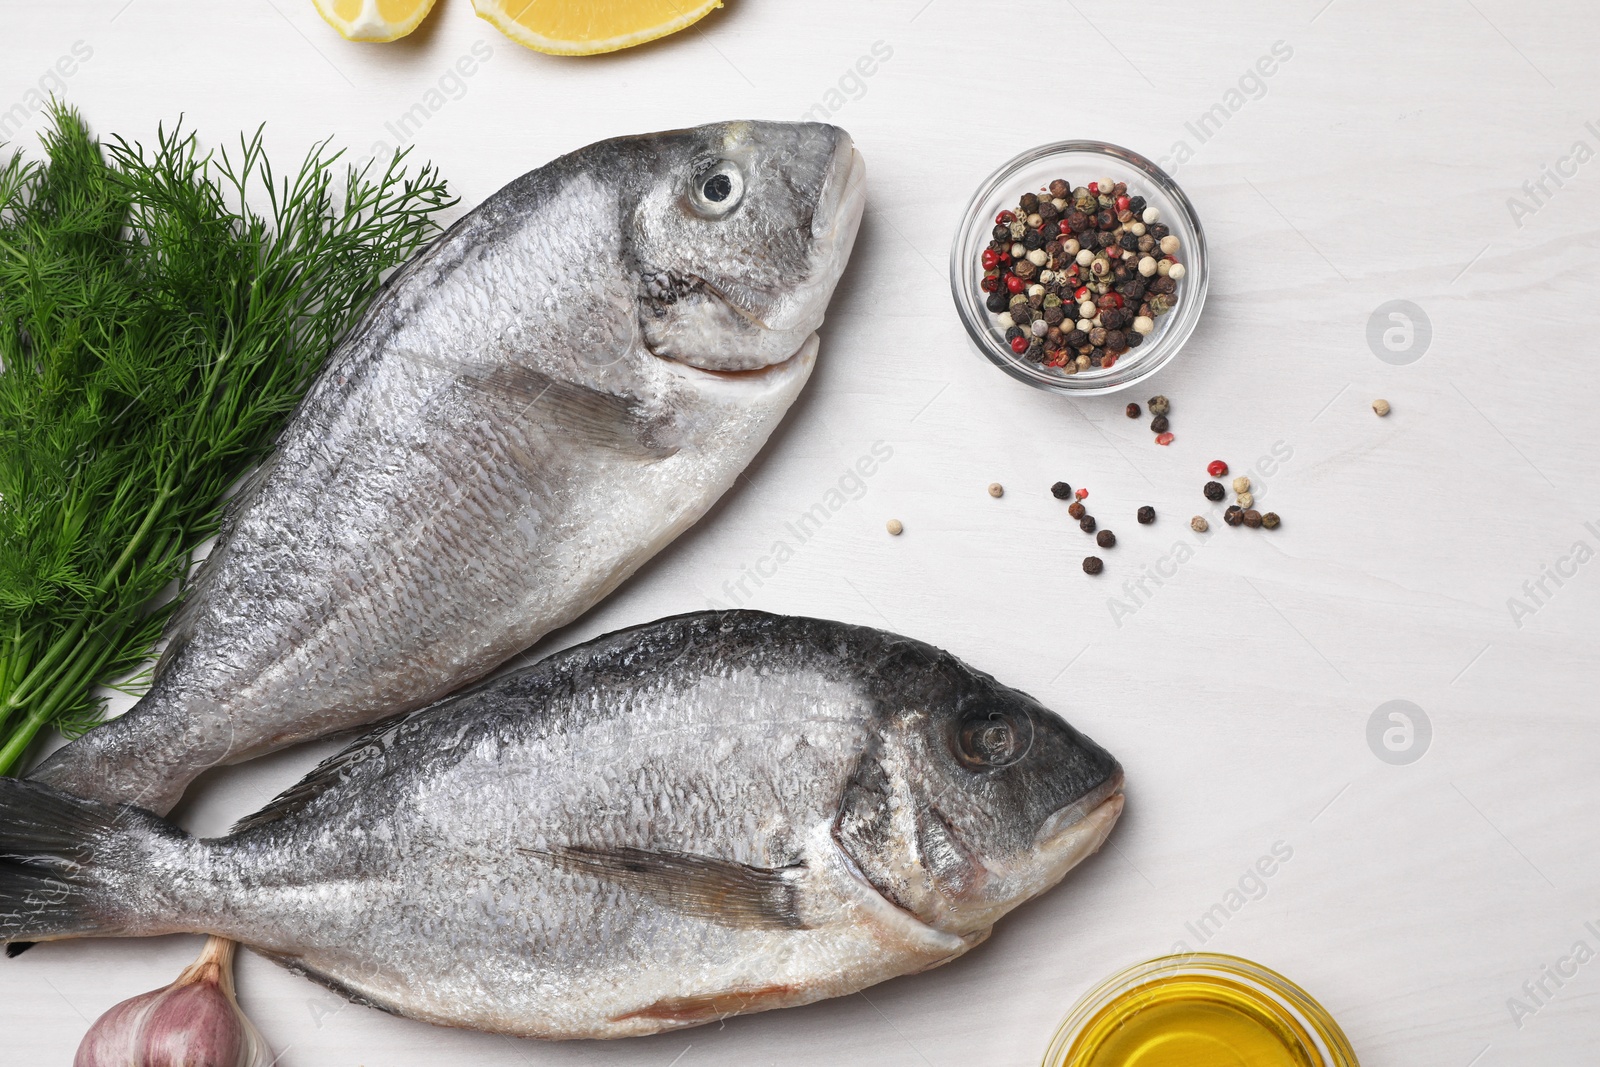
(1079, 267)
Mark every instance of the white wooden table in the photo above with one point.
(1384, 159)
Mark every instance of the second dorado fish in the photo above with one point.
(532, 407)
(713, 814)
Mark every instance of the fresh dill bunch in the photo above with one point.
(161, 315)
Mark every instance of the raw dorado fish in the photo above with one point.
(711, 814)
(533, 406)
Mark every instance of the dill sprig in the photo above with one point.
(161, 315)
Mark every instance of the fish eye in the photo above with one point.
(718, 189)
(990, 739)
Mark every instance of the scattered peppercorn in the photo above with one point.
(1270, 520)
(1199, 525)
(1159, 405)
(1147, 515)
(1381, 407)
(1093, 565)
(1246, 499)
(1061, 490)
(996, 489)
(1241, 484)
(1086, 524)
(895, 527)
(1105, 539)
(1163, 439)
(1214, 491)
(1159, 424)
(1076, 510)
(1251, 518)
(1081, 493)
(1216, 468)
(1234, 515)
(1133, 411)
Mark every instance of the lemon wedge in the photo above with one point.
(373, 20)
(586, 27)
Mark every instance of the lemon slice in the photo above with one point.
(373, 20)
(585, 27)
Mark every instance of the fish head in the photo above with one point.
(973, 797)
(739, 237)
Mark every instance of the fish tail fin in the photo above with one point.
(71, 867)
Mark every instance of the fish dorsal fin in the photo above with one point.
(330, 772)
(720, 891)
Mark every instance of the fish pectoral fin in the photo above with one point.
(588, 416)
(717, 890)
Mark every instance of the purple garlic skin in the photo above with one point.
(194, 1022)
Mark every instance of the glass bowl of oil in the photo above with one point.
(1199, 1010)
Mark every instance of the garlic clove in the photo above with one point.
(194, 1022)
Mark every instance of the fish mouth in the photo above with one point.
(765, 374)
(1080, 828)
(844, 191)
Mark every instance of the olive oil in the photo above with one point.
(1192, 1022)
(1199, 1011)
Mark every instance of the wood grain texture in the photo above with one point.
(1376, 163)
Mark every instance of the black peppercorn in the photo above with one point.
(1048, 212)
(1076, 509)
(1129, 242)
(1270, 520)
(1023, 269)
(1215, 491)
(1159, 424)
(1113, 318)
(1097, 336)
(1021, 313)
(1251, 518)
(1132, 411)
(1035, 352)
(1158, 230)
(1053, 315)
(1076, 339)
(1234, 515)
(1147, 515)
(1116, 341)
(1105, 220)
(1134, 338)
(1015, 332)
(997, 302)
(1077, 221)
(1086, 524)
(1136, 204)
(1162, 285)
(1105, 539)
(1029, 203)
(1032, 239)
(1061, 490)
(1000, 233)
(1059, 189)
(1093, 565)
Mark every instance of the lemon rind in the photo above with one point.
(491, 12)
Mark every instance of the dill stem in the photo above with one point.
(20, 738)
(60, 646)
(88, 660)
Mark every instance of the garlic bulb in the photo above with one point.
(194, 1022)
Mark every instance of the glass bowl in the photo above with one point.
(1199, 1008)
(1078, 162)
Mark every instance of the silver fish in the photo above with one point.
(708, 815)
(533, 406)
